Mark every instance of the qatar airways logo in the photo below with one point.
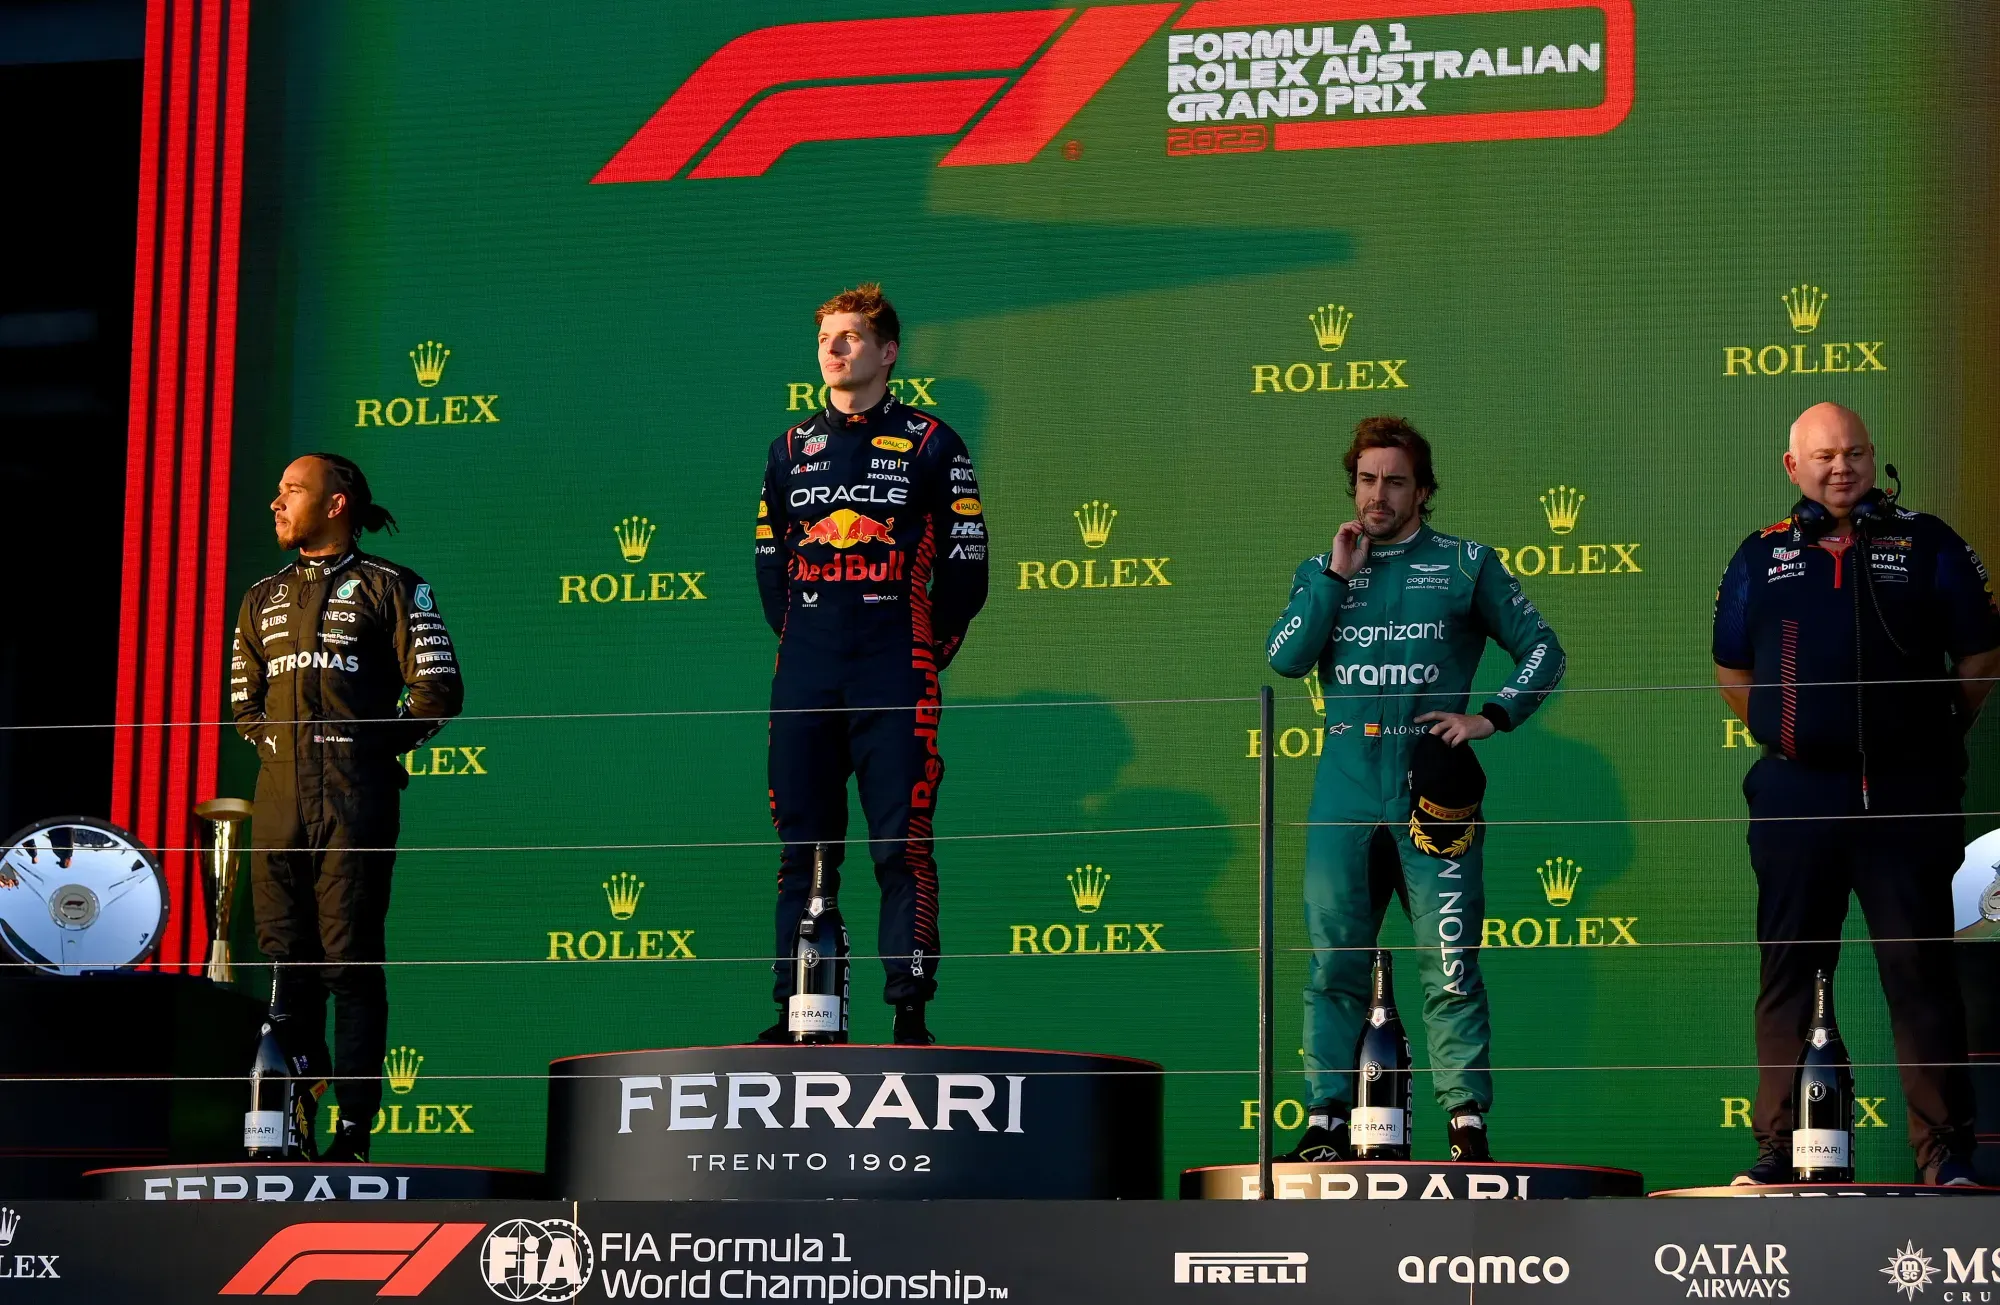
(1023, 74)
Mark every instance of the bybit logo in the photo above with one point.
(1330, 324)
(400, 1066)
(635, 540)
(1562, 508)
(635, 536)
(424, 1118)
(1094, 521)
(1805, 307)
(431, 762)
(805, 396)
(1088, 885)
(427, 360)
(1558, 875)
(621, 896)
(622, 892)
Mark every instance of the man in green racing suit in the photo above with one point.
(1395, 617)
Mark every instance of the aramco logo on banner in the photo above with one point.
(1805, 309)
(1089, 886)
(1094, 521)
(1330, 324)
(412, 1118)
(635, 540)
(428, 361)
(1562, 508)
(621, 894)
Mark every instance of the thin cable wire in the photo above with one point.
(696, 712)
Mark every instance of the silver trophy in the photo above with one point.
(225, 814)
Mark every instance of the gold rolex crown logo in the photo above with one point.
(635, 536)
(622, 892)
(1087, 884)
(1316, 691)
(428, 358)
(1561, 505)
(401, 1066)
(1804, 304)
(1559, 875)
(1330, 324)
(1094, 520)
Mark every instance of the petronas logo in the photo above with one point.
(401, 1066)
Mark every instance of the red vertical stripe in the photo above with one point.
(156, 655)
(215, 605)
(133, 578)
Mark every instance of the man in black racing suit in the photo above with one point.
(341, 663)
(871, 561)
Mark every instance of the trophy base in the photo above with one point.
(1412, 1180)
(287, 1180)
(1827, 1189)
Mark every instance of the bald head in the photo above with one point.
(1831, 458)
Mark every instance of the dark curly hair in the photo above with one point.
(1393, 433)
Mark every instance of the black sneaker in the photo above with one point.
(1468, 1138)
(1320, 1146)
(1773, 1166)
(1952, 1171)
(910, 1030)
(349, 1145)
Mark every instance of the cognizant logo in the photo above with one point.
(1366, 636)
(1394, 673)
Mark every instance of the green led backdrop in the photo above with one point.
(1263, 225)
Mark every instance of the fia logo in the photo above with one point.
(528, 1259)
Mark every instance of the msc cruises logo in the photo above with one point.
(1024, 74)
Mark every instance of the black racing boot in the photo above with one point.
(910, 1030)
(1325, 1141)
(349, 1145)
(1467, 1132)
(1773, 1165)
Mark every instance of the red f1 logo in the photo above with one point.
(1075, 65)
(1055, 60)
(403, 1257)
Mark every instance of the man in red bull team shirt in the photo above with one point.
(871, 560)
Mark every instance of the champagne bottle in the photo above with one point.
(1380, 1124)
(270, 1129)
(1823, 1098)
(817, 1012)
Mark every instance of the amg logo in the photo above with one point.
(1240, 1267)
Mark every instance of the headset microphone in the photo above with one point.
(1896, 476)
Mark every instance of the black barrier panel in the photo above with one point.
(1051, 1253)
(284, 1181)
(1412, 1180)
(704, 1123)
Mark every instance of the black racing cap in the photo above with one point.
(1447, 785)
